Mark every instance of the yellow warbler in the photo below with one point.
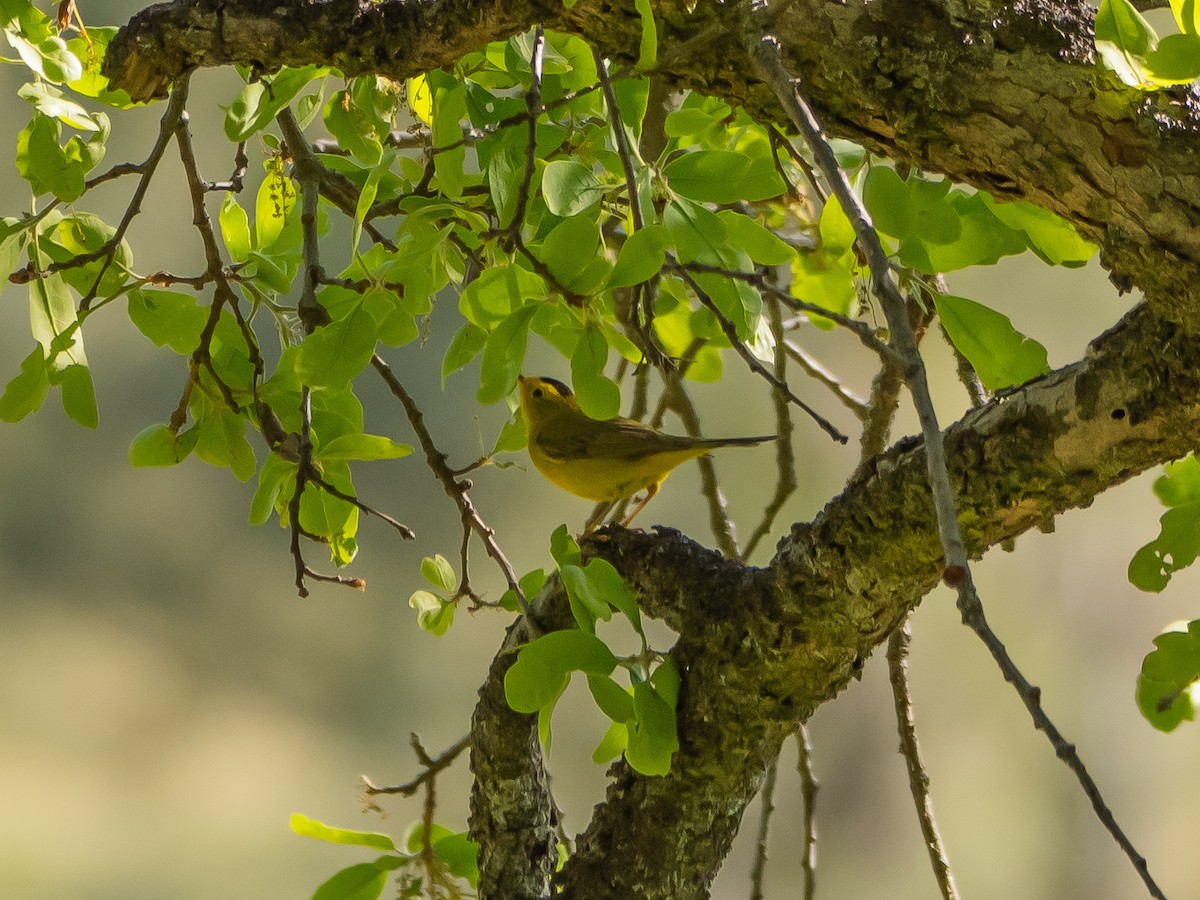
(607, 460)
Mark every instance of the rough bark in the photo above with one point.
(760, 649)
(1003, 96)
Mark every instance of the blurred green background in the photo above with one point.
(166, 700)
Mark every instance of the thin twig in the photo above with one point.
(315, 477)
(973, 617)
(858, 328)
(307, 170)
(753, 362)
(809, 786)
(173, 118)
(814, 369)
(457, 490)
(431, 768)
(767, 795)
(785, 455)
(918, 779)
(718, 517)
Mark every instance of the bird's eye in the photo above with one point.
(537, 392)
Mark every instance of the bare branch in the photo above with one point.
(918, 780)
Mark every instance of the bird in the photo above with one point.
(604, 460)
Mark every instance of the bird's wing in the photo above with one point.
(630, 439)
(615, 439)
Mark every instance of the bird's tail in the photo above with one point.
(739, 441)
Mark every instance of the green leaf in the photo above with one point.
(1000, 355)
(723, 176)
(826, 282)
(761, 244)
(78, 394)
(503, 356)
(531, 585)
(698, 235)
(90, 51)
(1124, 39)
(276, 477)
(438, 572)
(612, 745)
(367, 195)
(1187, 16)
(334, 354)
(55, 324)
(612, 699)
(464, 347)
(563, 548)
(273, 206)
(235, 228)
(1052, 238)
(1166, 686)
(26, 393)
(505, 172)
(912, 210)
(364, 881)
(543, 666)
(598, 396)
(157, 445)
(221, 441)
(512, 436)
(569, 188)
(48, 56)
(1179, 483)
(633, 97)
(982, 239)
(586, 606)
(12, 243)
(497, 292)
(653, 739)
(648, 46)
(260, 101)
(363, 447)
(82, 233)
(434, 614)
(688, 122)
(52, 102)
(1175, 548)
(449, 109)
(49, 168)
(606, 583)
(837, 234)
(569, 249)
(168, 318)
(349, 125)
(332, 518)
(642, 256)
(1176, 60)
(461, 856)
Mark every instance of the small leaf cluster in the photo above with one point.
(1178, 541)
(451, 861)
(932, 228)
(642, 715)
(1167, 689)
(1132, 49)
(435, 609)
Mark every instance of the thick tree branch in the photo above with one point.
(760, 649)
(1006, 97)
